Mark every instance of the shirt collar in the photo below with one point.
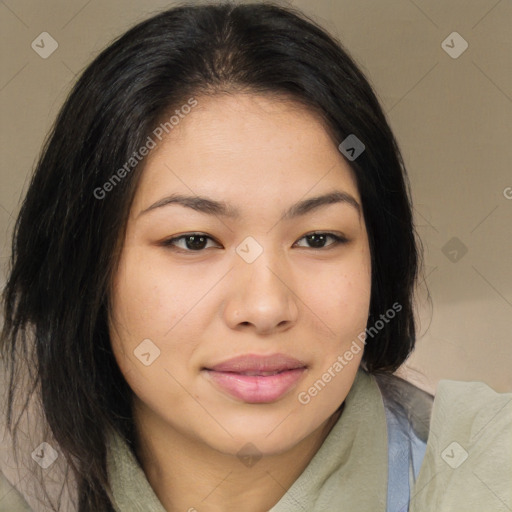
(348, 471)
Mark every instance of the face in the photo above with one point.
(232, 313)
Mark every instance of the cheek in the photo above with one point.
(343, 300)
(340, 296)
(148, 302)
(149, 297)
(145, 306)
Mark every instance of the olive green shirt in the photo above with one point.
(467, 465)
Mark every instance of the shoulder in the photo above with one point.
(405, 402)
(468, 460)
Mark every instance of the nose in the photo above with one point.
(261, 296)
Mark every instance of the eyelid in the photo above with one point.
(339, 239)
(169, 241)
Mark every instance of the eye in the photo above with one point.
(193, 242)
(197, 242)
(318, 240)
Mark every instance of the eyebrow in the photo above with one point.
(218, 208)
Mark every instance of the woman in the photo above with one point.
(212, 283)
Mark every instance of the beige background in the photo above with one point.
(452, 118)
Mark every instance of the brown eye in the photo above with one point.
(318, 240)
(192, 242)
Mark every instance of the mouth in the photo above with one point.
(256, 379)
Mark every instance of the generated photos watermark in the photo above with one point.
(344, 359)
(151, 142)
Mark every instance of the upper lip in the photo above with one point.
(258, 363)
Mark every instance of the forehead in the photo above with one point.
(246, 146)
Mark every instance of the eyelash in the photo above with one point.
(169, 243)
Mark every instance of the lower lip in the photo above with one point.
(257, 389)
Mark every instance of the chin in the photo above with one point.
(243, 445)
(273, 435)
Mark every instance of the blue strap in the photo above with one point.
(406, 449)
(405, 455)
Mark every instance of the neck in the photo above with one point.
(187, 475)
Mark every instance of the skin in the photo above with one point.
(260, 154)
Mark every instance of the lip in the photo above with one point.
(257, 379)
(258, 363)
